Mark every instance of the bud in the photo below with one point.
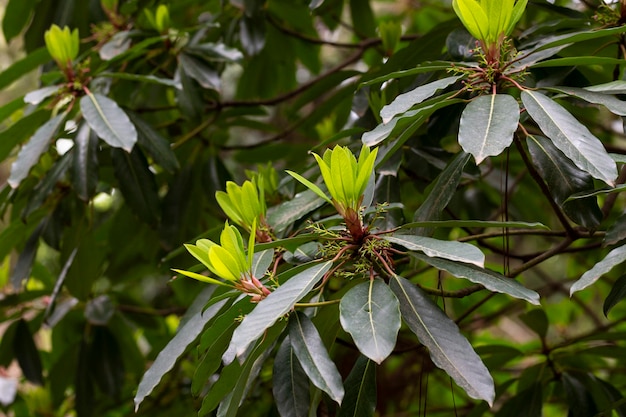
(62, 45)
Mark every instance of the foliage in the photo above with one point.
(331, 168)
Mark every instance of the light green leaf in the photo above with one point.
(313, 356)
(489, 279)
(200, 277)
(612, 259)
(487, 125)
(369, 312)
(109, 122)
(448, 349)
(473, 17)
(451, 250)
(360, 398)
(570, 136)
(317, 190)
(273, 307)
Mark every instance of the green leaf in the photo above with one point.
(405, 101)
(360, 398)
(586, 194)
(451, 250)
(313, 356)
(574, 61)
(273, 307)
(205, 76)
(537, 321)
(570, 136)
(167, 358)
(473, 17)
(109, 121)
(487, 125)
(16, 16)
(317, 190)
(290, 385)
(284, 215)
(527, 403)
(613, 87)
(118, 44)
(47, 185)
(363, 18)
(149, 79)
(31, 152)
(613, 104)
(448, 349)
(24, 66)
(27, 354)
(420, 69)
(616, 232)
(261, 262)
(155, 144)
(576, 37)
(617, 294)
(369, 312)
(21, 130)
(564, 179)
(578, 397)
(489, 279)
(22, 269)
(85, 164)
(38, 96)
(476, 223)
(612, 259)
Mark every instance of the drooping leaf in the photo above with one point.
(570, 136)
(271, 308)
(205, 76)
(109, 121)
(31, 151)
(369, 312)
(47, 185)
(290, 385)
(451, 250)
(564, 179)
(360, 398)
(157, 146)
(175, 348)
(108, 370)
(487, 125)
(489, 279)
(85, 164)
(617, 294)
(612, 259)
(313, 356)
(448, 349)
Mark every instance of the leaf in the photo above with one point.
(527, 403)
(108, 370)
(586, 194)
(616, 232)
(23, 66)
(613, 104)
(489, 279)
(424, 67)
(448, 349)
(118, 44)
(205, 76)
(290, 385)
(273, 307)
(574, 61)
(612, 259)
(21, 130)
(405, 101)
(487, 125)
(27, 354)
(137, 183)
(537, 321)
(451, 250)
(109, 121)
(570, 136)
(22, 269)
(476, 223)
(360, 398)
(16, 16)
(38, 96)
(167, 358)
(85, 163)
(575, 37)
(579, 399)
(617, 294)
(31, 152)
(612, 87)
(155, 144)
(149, 79)
(284, 215)
(363, 17)
(564, 179)
(261, 262)
(369, 312)
(99, 310)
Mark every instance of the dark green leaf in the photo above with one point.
(149, 79)
(282, 216)
(155, 144)
(7, 344)
(136, 183)
(420, 69)
(451, 250)
(617, 294)
(290, 385)
(370, 313)
(578, 37)
(564, 179)
(205, 76)
(612, 103)
(594, 193)
(527, 403)
(27, 354)
(21, 272)
(580, 402)
(537, 321)
(99, 310)
(487, 125)
(48, 184)
(486, 277)
(252, 32)
(20, 131)
(577, 60)
(612, 259)
(448, 349)
(360, 398)
(216, 52)
(616, 232)
(273, 307)
(363, 19)
(85, 164)
(109, 121)
(84, 383)
(16, 16)
(106, 361)
(570, 136)
(476, 223)
(23, 66)
(31, 152)
(313, 356)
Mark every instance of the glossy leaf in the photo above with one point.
(486, 277)
(273, 307)
(199, 71)
(313, 356)
(290, 385)
(448, 349)
(570, 136)
(109, 121)
(360, 398)
(487, 125)
(32, 151)
(612, 259)
(451, 250)
(369, 312)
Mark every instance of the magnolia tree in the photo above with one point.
(403, 229)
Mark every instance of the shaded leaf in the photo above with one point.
(612, 259)
(452, 250)
(537, 321)
(617, 294)
(475, 223)
(616, 232)
(273, 307)
(21, 271)
(612, 103)
(528, 402)
(570, 136)
(109, 121)
(487, 125)
(282, 216)
(53, 179)
(420, 69)
(149, 79)
(155, 144)
(206, 76)
(290, 385)
(576, 61)
(16, 16)
(24, 66)
(99, 310)
(569, 38)
(360, 398)
(106, 362)
(21, 130)
(579, 399)
(369, 312)
(448, 349)
(85, 164)
(27, 354)
(489, 279)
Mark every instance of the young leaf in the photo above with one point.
(313, 356)
(360, 398)
(273, 307)
(290, 385)
(570, 136)
(369, 312)
(487, 125)
(612, 259)
(317, 190)
(109, 121)
(448, 349)
(451, 250)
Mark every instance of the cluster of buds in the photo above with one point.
(63, 46)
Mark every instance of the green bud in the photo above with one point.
(245, 204)
(62, 45)
(160, 21)
(489, 20)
